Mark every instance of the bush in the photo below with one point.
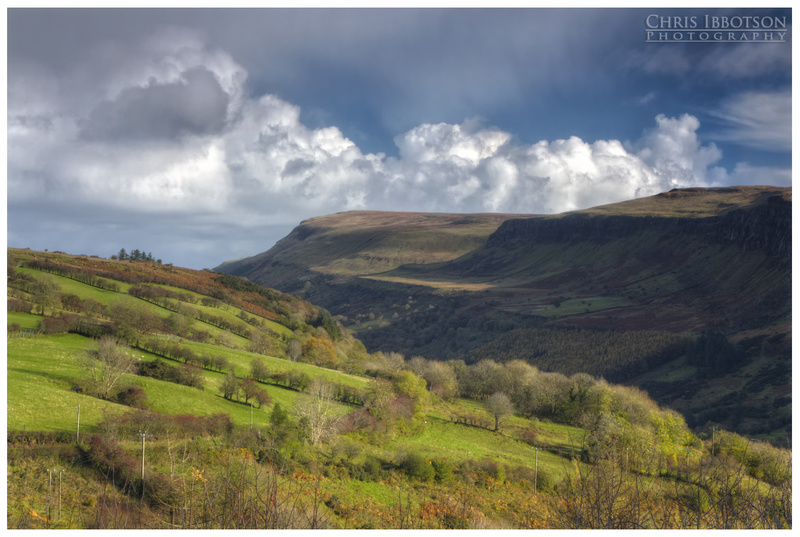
(133, 396)
(418, 467)
(372, 469)
(18, 305)
(186, 374)
(443, 470)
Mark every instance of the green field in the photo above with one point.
(405, 450)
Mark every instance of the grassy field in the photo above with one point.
(360, 474)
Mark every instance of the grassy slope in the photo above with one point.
(648, 281)
(40, 371)
(369, 242)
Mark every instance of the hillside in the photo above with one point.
(355, 243)
(702, 275)
(258, 410)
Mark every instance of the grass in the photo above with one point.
(41, 371)
(70, 286)
(578, 306)
(24, 320)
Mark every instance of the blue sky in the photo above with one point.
(207, 135)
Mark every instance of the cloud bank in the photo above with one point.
(172, 131)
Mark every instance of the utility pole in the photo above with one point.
(78, 426)
(535, 470)
(143, 435)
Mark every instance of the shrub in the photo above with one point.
(57, 325)
(133, 396)
(371, 469)
(418, 467)
(186, 374)
(443, 470)
(18, 305)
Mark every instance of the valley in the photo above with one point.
(685, 263)
(492, 385)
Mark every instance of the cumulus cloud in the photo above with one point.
(674, 151)
(195, 105)
(167, 140)
(171, 131)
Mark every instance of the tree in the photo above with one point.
(294, 350)
(133, 318)
(406, 382)
(230, 386)
(261, 343)
(248, 387)
(258, 370)
(441, 379)
(44, 292)
(262, 397)
(282, 426)
(499, 405)
(317, 411)
(106, 365)
(320, 352)
(379, 395)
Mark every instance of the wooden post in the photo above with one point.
(59, 493)
(78, 427)
(49, 493)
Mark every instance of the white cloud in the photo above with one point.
(449, 168)
(675, 153)
(762, 120)
(745, 174)
(169, 129)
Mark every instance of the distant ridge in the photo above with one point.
(686, 262)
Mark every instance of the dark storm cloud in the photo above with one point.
(194, 105)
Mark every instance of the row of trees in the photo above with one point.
(135, 255)
(611, 354)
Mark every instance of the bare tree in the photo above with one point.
(106, 365)
(317, 410)
(500, 406)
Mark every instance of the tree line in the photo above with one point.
(135, 255)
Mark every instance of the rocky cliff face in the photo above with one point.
(766, 227)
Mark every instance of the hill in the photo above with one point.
(688, 293)
(258, 410)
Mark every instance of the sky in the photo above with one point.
(205, 135)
